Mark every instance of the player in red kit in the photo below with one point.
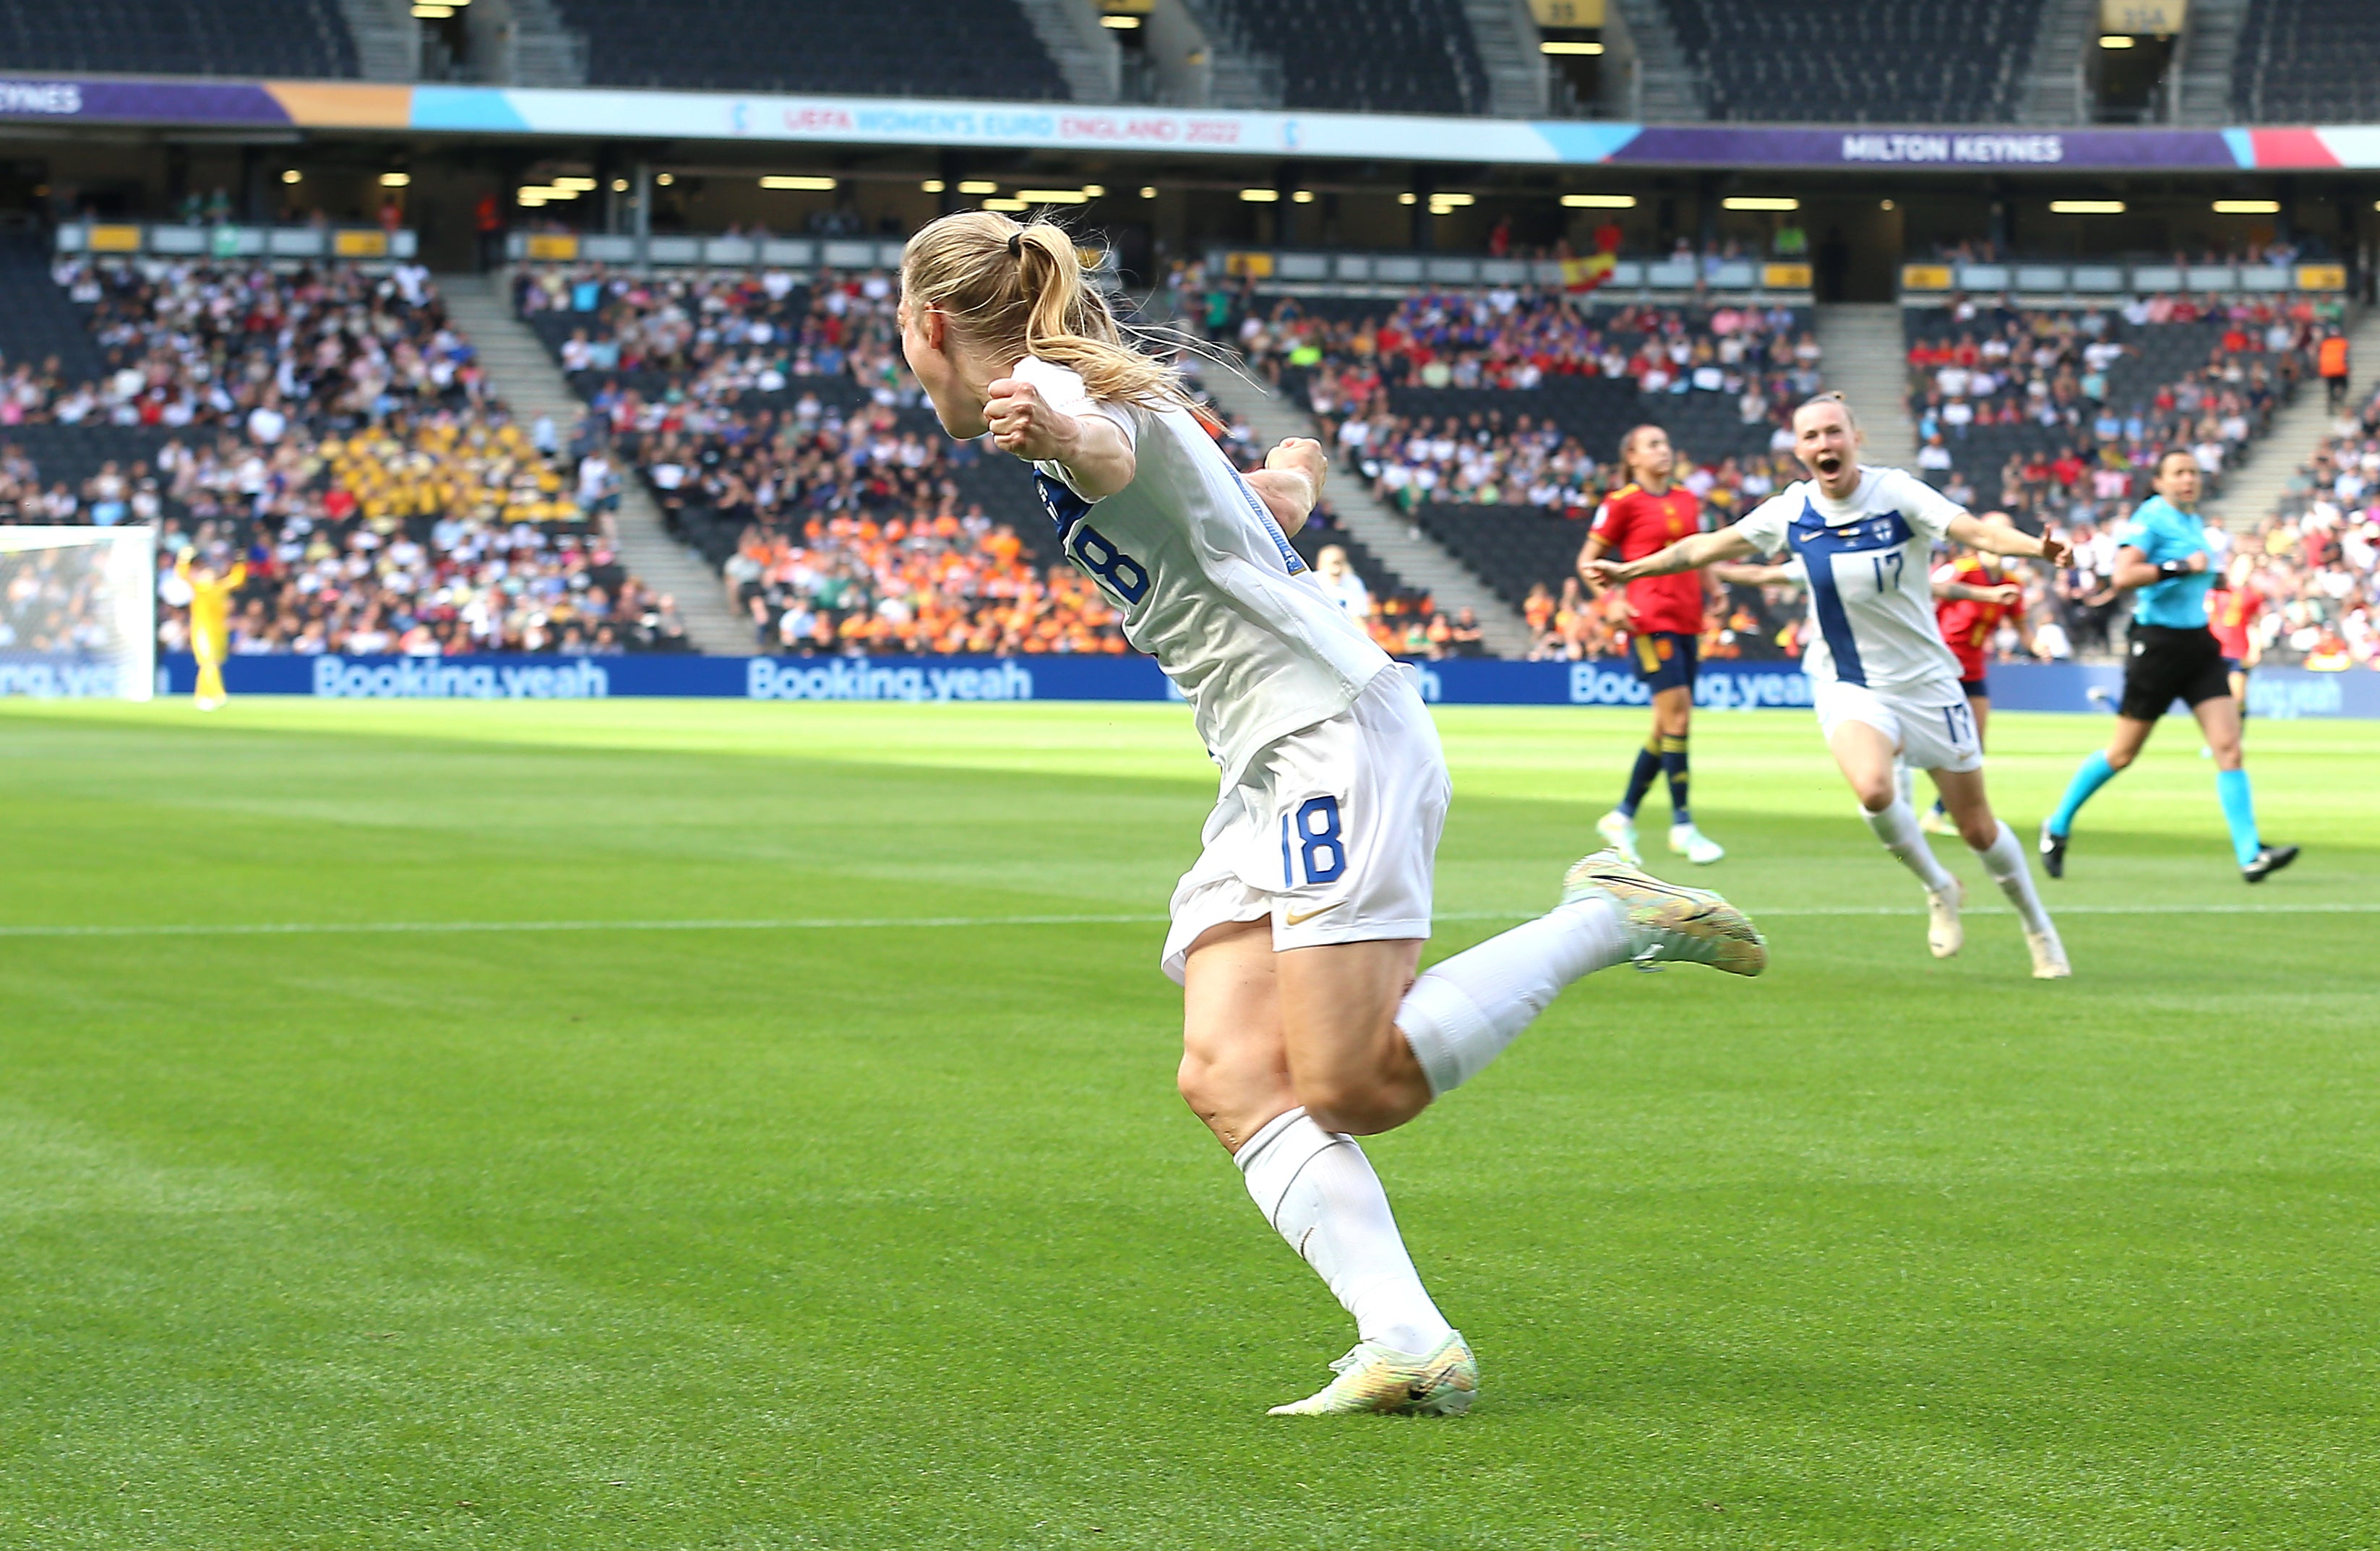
(1972, 600)
(1665, 626)
(2231, 611)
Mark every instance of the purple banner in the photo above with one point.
(141, 102)
(1963, 149)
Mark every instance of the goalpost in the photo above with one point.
(78, 612)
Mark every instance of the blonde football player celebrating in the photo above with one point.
(1886, 686)
(1296, 936)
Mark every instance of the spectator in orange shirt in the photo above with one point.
(2330, 362)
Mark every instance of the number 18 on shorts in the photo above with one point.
(1331, 833)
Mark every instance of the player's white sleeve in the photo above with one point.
(1765, 525)
(1929, 510)
(1062, 389)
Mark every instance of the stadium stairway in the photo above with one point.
(1400, 545)
(2253, 490)
(2053, 93)
(1086, 53)
(1866, 360)
(2210, 47)
(526, 378)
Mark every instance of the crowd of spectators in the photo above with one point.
(2061, 415)
(715, 337)
(1567, 623)
(2314, 565)
(932, 584)
(431, 536)
(773, 420)
(1342, 353)
(327, 426)
(203, 343)
(114, 492)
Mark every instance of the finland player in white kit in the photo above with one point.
(1296, 935)
(1885, 687)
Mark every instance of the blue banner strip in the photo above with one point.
(2278, 694)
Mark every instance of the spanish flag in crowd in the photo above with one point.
(1582, 276)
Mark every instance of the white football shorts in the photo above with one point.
(1333, 831)
(1933, 728)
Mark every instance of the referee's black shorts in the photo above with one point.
(2169, 664)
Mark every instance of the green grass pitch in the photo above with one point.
(787, 1232)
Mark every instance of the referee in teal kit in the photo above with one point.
(2175, 656)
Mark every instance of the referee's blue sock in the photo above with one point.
(2239, 812)
(2095, 772)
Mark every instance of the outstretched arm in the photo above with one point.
(1995, 539)
(1094, 450)
(1965, 592)
(1694, 550)
(1289, 484)
(1759, 576)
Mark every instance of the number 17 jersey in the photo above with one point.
(1870, 560)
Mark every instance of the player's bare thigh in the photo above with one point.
(1963, 799)
(1673, 711)
(1865, 755)
(1265, 1032)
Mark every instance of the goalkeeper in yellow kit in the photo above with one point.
(211, 595)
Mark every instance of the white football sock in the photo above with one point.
(1462, 1015)
(2005, 860)
(1318, 1190)
(1897, 826)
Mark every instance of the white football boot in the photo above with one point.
(1619, 832)
(1667, 922)
(1944, 934)
(1693, 845)
(1376, 1379)
(2049, 954)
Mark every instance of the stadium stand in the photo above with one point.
(273, 38)
(1490, 417)
(2315, 563)
(1387, 56)
(2304, 62)
(892, 48)
(449, 534)
(2040, 411)
(1715, 377)
(1861, 61)
(783, 439)
(328, 428)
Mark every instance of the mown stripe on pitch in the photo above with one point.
(310, 929)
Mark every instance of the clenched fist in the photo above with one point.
(1301, 455)
(1022, 423)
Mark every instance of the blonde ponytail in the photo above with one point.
(1012, 291)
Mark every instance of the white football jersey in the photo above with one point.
(1870, 563)
(1205, 581)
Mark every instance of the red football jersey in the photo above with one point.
(1967, 627)
(1636, 523)
(2229, 611)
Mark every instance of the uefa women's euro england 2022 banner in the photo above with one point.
(2276, 693)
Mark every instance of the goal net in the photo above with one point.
(78, 612)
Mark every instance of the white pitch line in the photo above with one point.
(332, 929)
